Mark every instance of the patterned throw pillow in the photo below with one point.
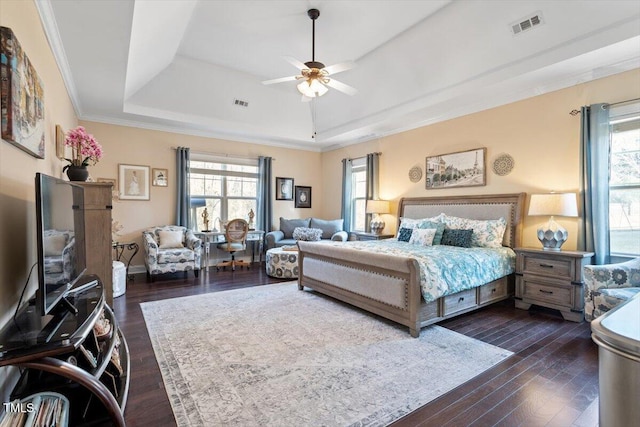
(405, 234)
(438, 226)
(486, 233)
(460, 238)
(415, 223)
(422, 236)
(307, 234)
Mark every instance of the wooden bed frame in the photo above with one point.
(389, 286)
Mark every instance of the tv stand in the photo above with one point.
(63, 354)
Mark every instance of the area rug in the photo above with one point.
(276, 356)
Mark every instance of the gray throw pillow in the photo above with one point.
(288, 225)
(328, 227)
(307, 234)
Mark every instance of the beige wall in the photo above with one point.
(157, 149)
(539, 133)
(17, 168)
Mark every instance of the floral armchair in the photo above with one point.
(609, 285)
(171, 248)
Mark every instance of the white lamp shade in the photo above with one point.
(560, 204)
(312, 89)
(377, 206)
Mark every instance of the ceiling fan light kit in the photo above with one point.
(314, 76)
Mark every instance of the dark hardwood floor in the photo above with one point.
(551, 380)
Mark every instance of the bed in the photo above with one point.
(390, 285)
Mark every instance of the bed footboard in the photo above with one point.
(388, 286)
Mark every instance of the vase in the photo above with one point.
(77, 173)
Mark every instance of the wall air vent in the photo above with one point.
(527, 23)
(241, 103)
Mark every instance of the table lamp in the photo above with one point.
(377, 207)
(553, 235)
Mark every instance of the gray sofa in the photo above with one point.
(331, 230)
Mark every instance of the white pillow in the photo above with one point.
(54, 244)
(486, 233)
(170, 239)
(422, 236)
(415, 223)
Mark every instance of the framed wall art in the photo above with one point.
(134, 182)
(21, 97)
(460, 169)
(60, 137)
(303, 197)
(160, 177)
(284, 188)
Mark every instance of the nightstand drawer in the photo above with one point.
(547, 292)
(493, 292)
(460, 301)
(559, 268)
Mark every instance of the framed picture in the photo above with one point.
(134, 182)
(303, 197)
(60, 142)
(460, 169)
(21, 97)
(115, 192)
(160, 177)
(284, 188)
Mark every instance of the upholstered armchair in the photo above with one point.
(171, 248)
(329, 230)
(609, 285)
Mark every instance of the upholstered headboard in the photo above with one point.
(489, 206)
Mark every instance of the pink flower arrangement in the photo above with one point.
(85, 150)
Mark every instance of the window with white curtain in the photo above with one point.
(229, 188)
(624, 180)
(358, 194)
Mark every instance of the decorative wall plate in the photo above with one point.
(503, 164)
(415, 174)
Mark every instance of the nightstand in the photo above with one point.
(360, 235)
(551, 279)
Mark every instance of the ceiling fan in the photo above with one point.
(314, 76)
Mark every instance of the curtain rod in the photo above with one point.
(362, 157)
(576, 112)
(231, 156)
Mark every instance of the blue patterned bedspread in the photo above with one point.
(445, 270)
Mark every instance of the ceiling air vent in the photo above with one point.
(527, 23)
(241, 103)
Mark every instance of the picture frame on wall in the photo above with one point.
(303, 197)
(160, 177)
(458, 169)
(134, 182)
(60, 137)
(284, 188)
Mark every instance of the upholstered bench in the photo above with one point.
(282, 263)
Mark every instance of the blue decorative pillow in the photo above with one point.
(405, 234)
(460, 238)
(439, 227)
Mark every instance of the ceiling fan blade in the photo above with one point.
(280, 80)
(344, 88)
(299, 65)
(338, 68)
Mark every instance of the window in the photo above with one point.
(229, 188)
(358, 194)
(624, 180)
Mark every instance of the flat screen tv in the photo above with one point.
(60, 233)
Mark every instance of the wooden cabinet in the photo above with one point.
(370, 236)
(96, 212)
(551, 279)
